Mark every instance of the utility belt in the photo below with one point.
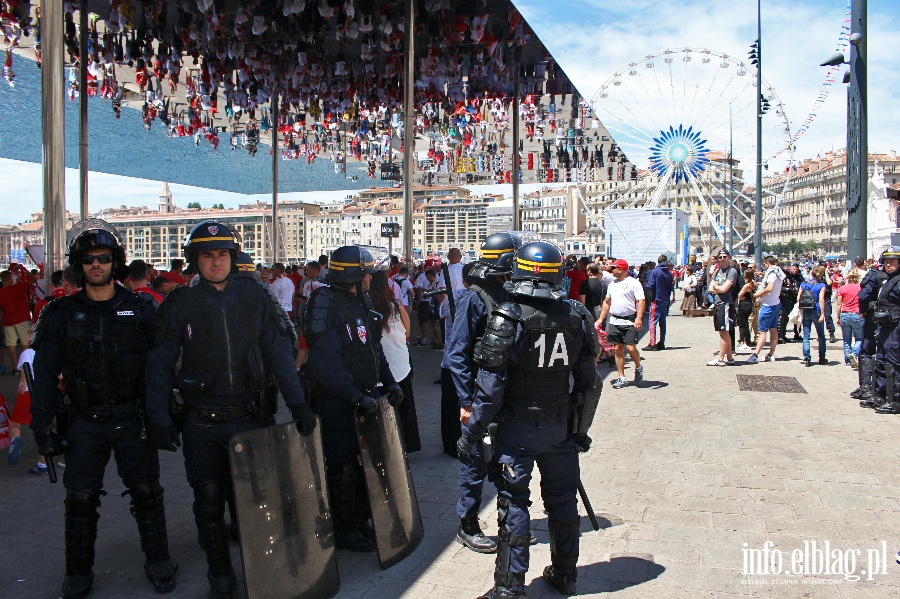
(885, 315)
(110, 413)
(539, 411)
(221, 413)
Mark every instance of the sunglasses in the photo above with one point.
(101, 258)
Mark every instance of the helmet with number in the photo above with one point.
(211, 235)
(538, 261)
(497, 252)
(349, 265)
(892, 251)
(94, 233)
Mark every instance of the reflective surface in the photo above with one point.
(395, 509)
(287, 539)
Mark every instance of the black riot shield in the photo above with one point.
(287, 538)
(395, 509)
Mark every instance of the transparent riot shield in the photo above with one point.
(287, 538)
(395, 509)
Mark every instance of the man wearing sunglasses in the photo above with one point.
(97, 339)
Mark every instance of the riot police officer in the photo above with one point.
(531, 347)
(485, 292)
(346, 364)
(98, 339)
(231, 336)
(868, 293)
(887, 317)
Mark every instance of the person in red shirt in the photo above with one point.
(138, 272)
(577, 275)
(56, 290)
(176, 275)
(395, 267)
(14, 306)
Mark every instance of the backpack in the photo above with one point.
(807, 299)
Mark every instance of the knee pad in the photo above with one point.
(82, 504)
(145, 496)
(209, 501)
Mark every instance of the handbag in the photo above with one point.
(795, 317)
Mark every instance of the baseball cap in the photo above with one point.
(621, 264)
(723, 252)
(169, 276)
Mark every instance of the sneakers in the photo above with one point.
(769, 358)
(649, 347)
(807, 362)
(619, 383)
(753, 359)
(38, 469)
(422, 343)
(744, 347)
(717, 362)
(854, 362)
(729, 362)
(638, 374)
(15, 450)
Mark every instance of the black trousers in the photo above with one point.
(450, 431)
(91, 444)
(407, 418)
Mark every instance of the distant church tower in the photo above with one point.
(165, 200)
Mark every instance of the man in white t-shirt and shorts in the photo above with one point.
(624, 304)
(769, 309)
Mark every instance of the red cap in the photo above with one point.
(169, 276)
(621, 264)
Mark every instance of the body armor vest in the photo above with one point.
(104, 347)
(360, 339)
(222, 341)
(538, 387)
(491, 296)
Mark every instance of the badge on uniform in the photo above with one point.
(124, 313)
(190, 336)
(361, 330)
(81, 316)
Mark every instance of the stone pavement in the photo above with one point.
(687, 473)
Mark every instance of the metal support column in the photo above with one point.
(53, 126)
(857, 138)
(409, 128)
(757, 234)
(275, 154)
(731, 183)
(517, 68)
(83, 35)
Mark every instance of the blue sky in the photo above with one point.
(591, 39)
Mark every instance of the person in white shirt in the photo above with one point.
(283, 288)
(769, 309)
(406, 289)
(624, 304)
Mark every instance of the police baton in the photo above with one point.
(587, 506)
(29, 381)
(451, 301)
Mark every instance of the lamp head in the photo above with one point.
(835, 60)
(856, 38)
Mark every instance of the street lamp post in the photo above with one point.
(757, 236)
(857, 132)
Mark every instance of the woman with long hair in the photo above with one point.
(689, 285)
(395, 332)
(745, 309)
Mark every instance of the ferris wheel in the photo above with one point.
(678, 115)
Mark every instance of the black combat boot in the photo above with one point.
(470, 535)
(209, 514)
(81, 534)
(866, 373)
(150, 515)
(889, 407)
(563, 580)
(501, 592)
(346, 513)
(561, 574)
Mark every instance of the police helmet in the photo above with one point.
(93, 233)
(538, 261)
(892, 251)
(211, 235)
(497, 252)
(244, 262)
(349, 265)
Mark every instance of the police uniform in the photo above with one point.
(230, 342)
(346, 364)
(887, 335)
(485, 292)
(532, 345)
(868, 293)
(99, 347)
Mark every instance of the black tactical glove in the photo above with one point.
(465, 448)
(582, 441)
(49, 443)
(306, 420)
(365, 403)
(165, 438)
(394, 394)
